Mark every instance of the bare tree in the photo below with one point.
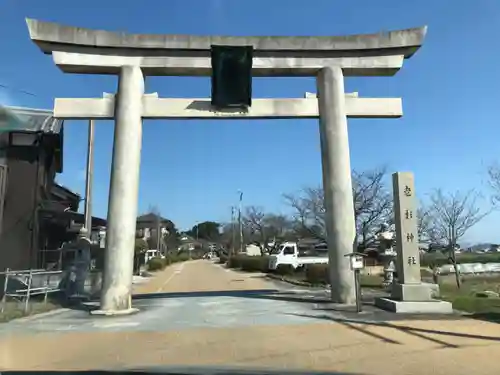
(314, 197)
(372, 206)
(277, 226)
(494, 182)
(450, 217)
(253, 221)
(308, 217)
(424, 226)
(300, 207)
(229, 235)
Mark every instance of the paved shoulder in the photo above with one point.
(196, 294)
(199, 313)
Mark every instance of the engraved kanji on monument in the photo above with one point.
(405, 217)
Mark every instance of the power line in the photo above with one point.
(16, 90)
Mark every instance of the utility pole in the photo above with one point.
(158, 233)
(89, 177)
(240, 221)
(233, 231)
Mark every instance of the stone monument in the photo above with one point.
(409, 294)
(133, 57)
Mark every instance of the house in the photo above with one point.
(149, 225)
(60, 223)
(36, 214)
(189, 243)
(31, 155)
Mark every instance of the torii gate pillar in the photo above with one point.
(337, 184)
(123, 192)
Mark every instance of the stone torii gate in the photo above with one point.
(131, 57)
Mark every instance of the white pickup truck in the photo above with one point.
(289, 253)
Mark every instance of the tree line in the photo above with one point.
(444, 218)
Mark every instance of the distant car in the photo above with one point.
(152, 253)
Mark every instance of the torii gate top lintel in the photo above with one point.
(359, 55)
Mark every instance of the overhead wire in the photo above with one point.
(17, 90)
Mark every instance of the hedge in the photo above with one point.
(317, 274)
(249, 263)
(223, 259)
(155, 264)
(286, 269)
(254, 264)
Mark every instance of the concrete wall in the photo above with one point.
(373, 270)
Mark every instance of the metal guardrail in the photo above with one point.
(26, 277)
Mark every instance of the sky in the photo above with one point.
(192, 170)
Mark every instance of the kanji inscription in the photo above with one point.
(405, 218)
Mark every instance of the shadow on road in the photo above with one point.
(414, 331)
(493, 317)
(222, 293)
(312, 297)
(321, 308)
(192, 370)
(267, 294)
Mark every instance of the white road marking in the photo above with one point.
(219, 302)
(139, 279)
(177, 271)
(66, 328)
(115, 325)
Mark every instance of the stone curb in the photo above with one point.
(40, 315)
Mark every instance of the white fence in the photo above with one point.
(471, 268)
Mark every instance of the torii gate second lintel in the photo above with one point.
(131, 57)
(178, 108)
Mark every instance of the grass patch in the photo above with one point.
(470, 285)
(466, 299)
(15, 310)
(463, 299)
(476, 304)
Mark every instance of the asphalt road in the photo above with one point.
(199, 313)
